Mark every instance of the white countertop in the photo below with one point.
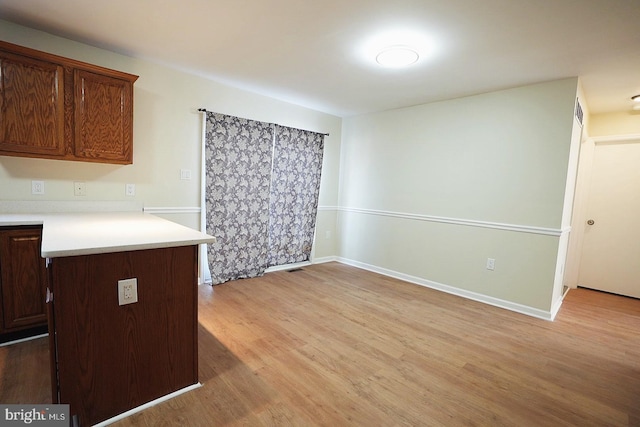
(71, 234)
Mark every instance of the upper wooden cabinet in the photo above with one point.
(59, 108)
(103, 119)
(31, 105)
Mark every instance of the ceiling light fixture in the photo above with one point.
(635, 98)
(397, 57)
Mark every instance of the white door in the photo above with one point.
(611, 249)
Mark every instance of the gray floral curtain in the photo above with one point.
(238, 158)
(295, 185)
(261, 195)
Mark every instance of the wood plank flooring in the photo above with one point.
(334, 345)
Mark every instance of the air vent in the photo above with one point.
(579, 113)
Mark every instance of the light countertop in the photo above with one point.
(71, 234)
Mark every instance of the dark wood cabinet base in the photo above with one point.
(22, 282)
(110, 358)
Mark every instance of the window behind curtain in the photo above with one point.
(261, 192)
(295, 185)
(238, 155)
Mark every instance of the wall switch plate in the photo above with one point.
(185, 174)
(79, 188)
(491, 264)
(127, 291)
(37, 187)
(130, 189)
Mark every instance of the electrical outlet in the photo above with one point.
(79, 189)
(130, 189)
(127, 291)
(491, 264)
(37, 187)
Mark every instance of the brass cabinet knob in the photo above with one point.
(591, 222)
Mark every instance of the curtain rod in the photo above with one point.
(204, 110)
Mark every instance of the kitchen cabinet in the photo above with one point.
(59, 108)
(111, 358)
(103, 119)
(31, 105)
(110, 353)
(22, 279)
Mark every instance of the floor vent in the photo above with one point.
(293, 270)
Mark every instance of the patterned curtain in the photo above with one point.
(238, 158)
(295, 185)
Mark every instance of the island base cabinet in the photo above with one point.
(110, 358)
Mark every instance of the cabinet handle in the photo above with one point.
(25, 239)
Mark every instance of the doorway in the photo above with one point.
(610, 259)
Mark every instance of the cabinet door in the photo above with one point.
(23, 273)
(103, 118)
(31, 106)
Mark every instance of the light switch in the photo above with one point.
(185, 174)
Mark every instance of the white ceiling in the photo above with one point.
(310, 52)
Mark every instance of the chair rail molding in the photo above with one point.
(458, 221)
(172, 209)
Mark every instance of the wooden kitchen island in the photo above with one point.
(108, 358)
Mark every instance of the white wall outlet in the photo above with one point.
(127, 291)
(185, 174)
(327, 234)
(491, 264)
(37, 187)
(130, 189)
(79, 188)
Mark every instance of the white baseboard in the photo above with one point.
(5, 344)
(496, 302)
(556, 308)
(325, 259)
(148, 405)
(287, 266)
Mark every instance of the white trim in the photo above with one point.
(203, 265)
(556, 307)
(325, 259)
(302, 264)
(287, 266)
(4, 344)
(457, 221)
(172, 210)
(496, 302)
(328, 208)
(615, 138)
(66, 206)
(148, 405)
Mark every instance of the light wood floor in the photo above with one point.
(337, 346)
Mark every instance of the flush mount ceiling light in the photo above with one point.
(397, 48)
(636, 102)
(397, 57)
